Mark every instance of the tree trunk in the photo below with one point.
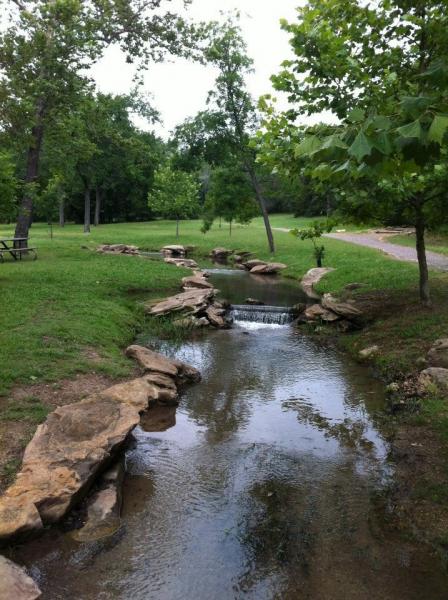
(62, 212)
(230, 228)
(177, 228)
(87, 210)
(25, 215)
(220, 222)
(96, 221)
(262, 204)
(421, 256)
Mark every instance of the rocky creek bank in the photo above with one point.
(73, 448)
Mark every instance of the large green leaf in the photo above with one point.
(412, 104)
(438, 128)
(382, 142)
(411, 130)
(356, 115)
(310, 145)
(361, 146)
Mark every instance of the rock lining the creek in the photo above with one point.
(118, 249)
(15, 584)
(79, 440)
(310, 279)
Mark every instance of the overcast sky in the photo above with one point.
(179, 88)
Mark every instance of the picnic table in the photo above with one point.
(16, 247)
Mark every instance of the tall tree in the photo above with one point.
(368, 64)
(45, 51)
(230, 98)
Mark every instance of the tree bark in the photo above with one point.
(25, 216)
(230, 228)
(87, 210)
(262, 204)
(96, 221)
(62, 213)
(177, 228)
(421, 255)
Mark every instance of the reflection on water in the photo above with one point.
(265, 484)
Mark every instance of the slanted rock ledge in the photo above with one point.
(79, 440)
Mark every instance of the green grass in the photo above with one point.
(28, 409)
(72, 301)
(436, 242)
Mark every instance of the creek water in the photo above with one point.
(267, 482)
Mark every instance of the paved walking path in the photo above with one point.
(377, 241)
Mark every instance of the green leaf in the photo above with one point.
(415, 103)
(382, 143)
(381, 122)
(333, 141)
(356, 115)
(438, 128)
(411, 130)
(310, 145)
(361, 146)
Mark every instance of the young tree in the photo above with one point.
(314, 233)
(175, 195)
(46, 49)
(230, 99)
(230, 196)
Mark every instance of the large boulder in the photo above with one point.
(434, 377)
(62, 459)
(438, 354)
(196, 281)
(191, 301)
(15, 584)
(316, 312)
(174, 250)
(254, 262)
(220, 253)
(154, 362)
(268, 269)
(310, 279)
(343, 309)
(137, 393)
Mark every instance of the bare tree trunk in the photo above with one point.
(230, 228)
(96, 221)
(87, 210)
(220, 222)
(24, 217)
(177, 228)
(262, 204)
(62, 212)
(421, 256)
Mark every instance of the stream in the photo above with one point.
(267, 482)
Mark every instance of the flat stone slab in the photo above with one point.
(78, 440)
(196, 281)
(15, 584)
(310, 279)
(268, 269)
(191, 301)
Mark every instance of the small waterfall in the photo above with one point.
(275, 315)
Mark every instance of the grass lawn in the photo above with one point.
(73, 302)
(436, 242)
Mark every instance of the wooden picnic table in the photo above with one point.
(17, 249)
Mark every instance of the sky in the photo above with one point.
(179, 88)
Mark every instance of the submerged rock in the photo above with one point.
(310, 279)
(15, 584)
(103, 507)
(254, 302)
